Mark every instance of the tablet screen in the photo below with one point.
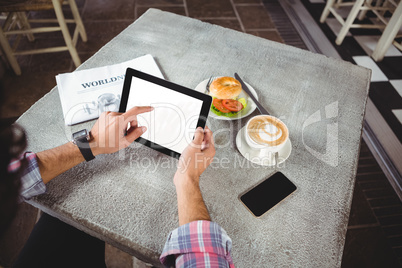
(176, 115)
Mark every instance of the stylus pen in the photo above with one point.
(128, 127)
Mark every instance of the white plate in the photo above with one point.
(201, 87)
(252, 154)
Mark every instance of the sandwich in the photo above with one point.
(225, 92)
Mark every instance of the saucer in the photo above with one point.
(201, 87)
(252, 154)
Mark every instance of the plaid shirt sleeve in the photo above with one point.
(198, 244)
(31, 181)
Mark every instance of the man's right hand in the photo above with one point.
(110, 132)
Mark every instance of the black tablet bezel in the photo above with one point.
(206, 103)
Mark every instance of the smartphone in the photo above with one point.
(267, 194)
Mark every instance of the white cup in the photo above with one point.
(267, 134)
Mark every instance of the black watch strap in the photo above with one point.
(86, 151)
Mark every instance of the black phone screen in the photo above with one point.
(267, 194)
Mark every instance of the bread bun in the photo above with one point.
(225, 88)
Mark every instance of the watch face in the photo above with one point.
(80, 134)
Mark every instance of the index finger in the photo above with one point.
(138, 110)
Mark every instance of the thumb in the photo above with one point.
(134, 132)
(198, 136)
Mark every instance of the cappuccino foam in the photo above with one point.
(267, 130)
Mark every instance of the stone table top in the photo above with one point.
(128, 199)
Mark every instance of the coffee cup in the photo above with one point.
(267, 134)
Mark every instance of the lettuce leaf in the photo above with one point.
(231, 114)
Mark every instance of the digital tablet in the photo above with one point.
(178, 111)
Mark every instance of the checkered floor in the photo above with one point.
(386, 80)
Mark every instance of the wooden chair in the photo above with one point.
(358, 6)
(17, 24)
(389, 34)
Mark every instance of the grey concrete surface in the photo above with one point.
(128, 199)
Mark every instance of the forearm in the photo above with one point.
(109, 134)
(55, 161)
(191, 205)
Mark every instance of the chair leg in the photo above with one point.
(349, 21)
(388, 35)
(325, 12)
(78, 20)
(364, 12)
(381, 4)
(23, 19)
(9, 53)
(66, 34)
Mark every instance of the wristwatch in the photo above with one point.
(81, 139)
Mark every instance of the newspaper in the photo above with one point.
(85, 94)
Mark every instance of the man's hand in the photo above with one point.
(193, 161)
(198, 155)
(110, 132)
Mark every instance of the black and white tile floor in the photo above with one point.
(358, 45)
